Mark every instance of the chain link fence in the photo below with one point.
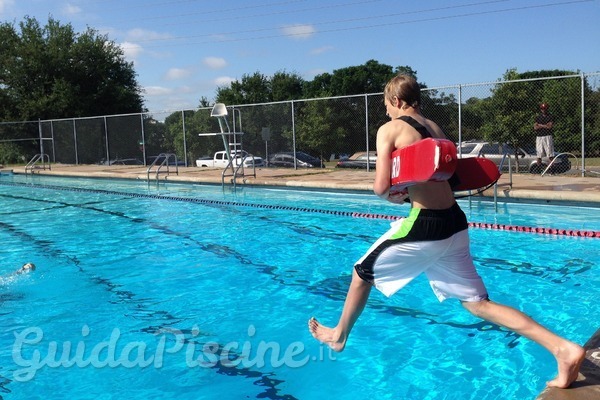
(498, 115)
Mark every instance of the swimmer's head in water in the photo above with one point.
(27, 268)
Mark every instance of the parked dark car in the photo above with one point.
(121, 161)
(160, 159)
(286, 160)
(359, 160)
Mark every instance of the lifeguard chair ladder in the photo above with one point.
(232, 142)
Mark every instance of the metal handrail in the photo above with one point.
(164, 159)
(33, 163)
(505, 156)
(236, 169)
(556, 157)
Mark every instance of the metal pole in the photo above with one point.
(143, 138)
(41, 138)
(53, 144)
(582, 125)
(510, 170)
(459, 115)
(496, 197)
(293, 128)
(75, 141)
(184, 141)
(367, 131)
(106, 139)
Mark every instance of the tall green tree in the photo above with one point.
(49, 72)
(259, 88)
(370, 77)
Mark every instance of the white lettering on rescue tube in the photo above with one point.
(395, 167)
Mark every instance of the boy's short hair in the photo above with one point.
(404, 87)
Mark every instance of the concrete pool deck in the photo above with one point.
(587, 385)
(518, 187)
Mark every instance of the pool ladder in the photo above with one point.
(39, 161)
(160, 162)
(505, 156)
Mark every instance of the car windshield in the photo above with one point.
(303, 157)
(467, 148)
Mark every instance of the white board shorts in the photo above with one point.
(544, 146)
(434, 242)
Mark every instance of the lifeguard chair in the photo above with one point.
(232, 143)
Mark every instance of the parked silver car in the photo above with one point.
(525, 160)
(359, 160)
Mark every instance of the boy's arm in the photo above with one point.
(383, 166)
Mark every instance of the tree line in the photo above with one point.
(52, 72)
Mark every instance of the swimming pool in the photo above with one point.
(194, 292)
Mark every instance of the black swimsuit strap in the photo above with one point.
(420, 128)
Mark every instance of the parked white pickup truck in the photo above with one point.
(220, 160)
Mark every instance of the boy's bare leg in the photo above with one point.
(356, 299)
(569, 355)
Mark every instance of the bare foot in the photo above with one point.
(569, 359)
(329, 336)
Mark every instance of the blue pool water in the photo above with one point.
(194, 292)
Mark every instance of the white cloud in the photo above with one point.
(186, 89)
(298, 31)
(177, 73)
(321, 50)
(223, 81)
(167, 99)
(157, 91)
(138, 34)
(5, 4)
(214, 62)
(131, 50)
(70, 9)
(314, 72)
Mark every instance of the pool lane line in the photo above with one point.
(353, 214)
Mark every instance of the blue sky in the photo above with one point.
(184, 49)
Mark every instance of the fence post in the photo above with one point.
(106, 139)
(41, 138)
(53, 145)
(582, 125)
(143, 138)
(184, 141)
(293, 128)
(367, 131)
(459, 116)
(74, 142)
